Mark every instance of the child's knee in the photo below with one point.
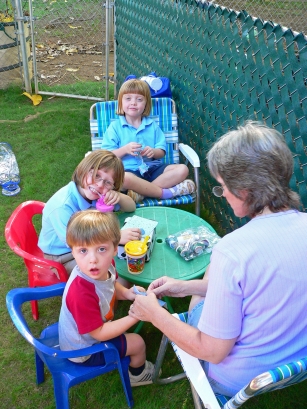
(135, 344)
(130, 177)
(184, 170)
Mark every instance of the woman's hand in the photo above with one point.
(130, 234)
(130, 294)
(167, 286)
(144, 308)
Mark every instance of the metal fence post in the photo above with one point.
(114, 49)
(107, 46)
(22, 40)
(35, 76)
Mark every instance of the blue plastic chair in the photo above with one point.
(65, 373)
(163, 111)
(276, 378)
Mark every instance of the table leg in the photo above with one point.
(139, 327)
(169, 305)
(158, 364)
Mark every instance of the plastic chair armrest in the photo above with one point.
(190, 154)
(18, 296)
(63, 275)
(193, 158)
(101, 346)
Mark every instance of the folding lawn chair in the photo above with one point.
(164, 113)
(203, 395)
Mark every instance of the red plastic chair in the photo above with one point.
(22, 238)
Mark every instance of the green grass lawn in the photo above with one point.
(49, 140)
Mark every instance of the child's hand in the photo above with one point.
(112, 197)
(133, 148)
(148, 151)
(130, 234)
(142, 289)
(131, 295)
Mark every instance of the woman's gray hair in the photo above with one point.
(257, 160)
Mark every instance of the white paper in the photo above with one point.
(147, 225)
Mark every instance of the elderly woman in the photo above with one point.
(250, 315)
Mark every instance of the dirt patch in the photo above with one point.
(69, 49)
(65, 63)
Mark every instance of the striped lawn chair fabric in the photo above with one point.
(277, 378)
(163, 111)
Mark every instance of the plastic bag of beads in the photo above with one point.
(193, 242)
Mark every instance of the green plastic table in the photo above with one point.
(164, 260)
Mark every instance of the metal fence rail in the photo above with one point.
(225, 67)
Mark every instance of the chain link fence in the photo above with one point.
(15, 53)
(287, 13)
(74, 48)
(70, 47)
(73, 52)
(225, 67)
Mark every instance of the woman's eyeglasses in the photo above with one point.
(218, 191)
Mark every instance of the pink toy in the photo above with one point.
(102, 207)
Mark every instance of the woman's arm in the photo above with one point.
(188, 338)
(167, 286)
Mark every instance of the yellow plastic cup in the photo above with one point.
(136, 253)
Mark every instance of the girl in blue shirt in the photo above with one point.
(140, 143)
(99, 173)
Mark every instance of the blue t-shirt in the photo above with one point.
(120, 133)
(56, 214)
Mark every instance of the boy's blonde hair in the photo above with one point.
(90, 227)
(134, 87)
(100, 159)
